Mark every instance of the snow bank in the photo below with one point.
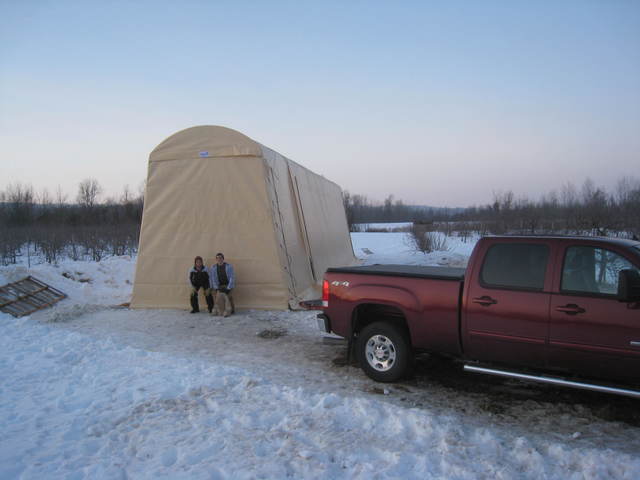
(90, 286)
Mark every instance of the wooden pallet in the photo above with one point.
(27, 296)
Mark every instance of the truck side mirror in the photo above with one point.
(629, 286)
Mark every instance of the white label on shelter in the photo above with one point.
(204, 154)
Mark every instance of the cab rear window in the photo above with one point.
(515, 266)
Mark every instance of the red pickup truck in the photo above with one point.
(563, 310)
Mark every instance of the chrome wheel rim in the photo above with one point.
(381, 353)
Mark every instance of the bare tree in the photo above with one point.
(502, 206)
(127, 195)
(550, 211)
(61, 197)
(142, 190)
(628, 205)
(349, 210)
(570, 202)
(595, 208)
(3, 206)
(88, 191)
(44, 198)
(19, 193)
(20, 199)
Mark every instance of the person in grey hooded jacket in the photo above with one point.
(222, 278)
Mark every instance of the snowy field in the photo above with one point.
(388, 226)
(395, 247)
(92, 390)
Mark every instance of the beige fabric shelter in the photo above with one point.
(212, 189)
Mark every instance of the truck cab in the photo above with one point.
(552, 303)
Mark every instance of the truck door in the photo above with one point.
(591, 332)
(506, 311)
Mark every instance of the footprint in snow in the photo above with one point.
(169, 457)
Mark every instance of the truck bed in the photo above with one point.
(436, 273)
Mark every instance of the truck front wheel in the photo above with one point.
(384, 352)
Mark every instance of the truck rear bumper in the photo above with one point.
(324, 324)
(312, 304)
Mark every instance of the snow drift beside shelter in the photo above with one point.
(212, 189)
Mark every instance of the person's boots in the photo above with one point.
(194, 303)
(209, 299)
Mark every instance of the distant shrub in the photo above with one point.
(426, 241)
(358, 227)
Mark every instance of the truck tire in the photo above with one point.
(384, 352)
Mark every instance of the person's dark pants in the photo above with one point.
(194, 299)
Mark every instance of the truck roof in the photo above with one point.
(614, 240)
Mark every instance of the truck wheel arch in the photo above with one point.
(366, 313)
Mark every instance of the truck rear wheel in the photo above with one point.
(384, 352)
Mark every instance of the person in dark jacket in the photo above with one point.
(199, 278)
(222, 279)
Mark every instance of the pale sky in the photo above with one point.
(438, 103)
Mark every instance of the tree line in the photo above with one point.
(50, 227)
(585, 210)
(360, 210)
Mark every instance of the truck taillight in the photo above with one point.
(325, 293)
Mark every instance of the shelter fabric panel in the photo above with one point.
(200, 207)
(293, 252)
(325, 220)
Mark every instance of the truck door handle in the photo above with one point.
(484, 301)
(571, 309)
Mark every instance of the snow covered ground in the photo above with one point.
(93, 390)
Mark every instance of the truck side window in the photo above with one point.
(592, 270)
(515, 265)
